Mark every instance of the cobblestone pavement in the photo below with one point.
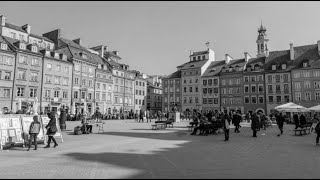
(128, 149)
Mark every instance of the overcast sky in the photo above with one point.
(155, 37)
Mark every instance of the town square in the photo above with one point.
(159, 90)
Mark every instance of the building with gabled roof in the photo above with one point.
(171, 91)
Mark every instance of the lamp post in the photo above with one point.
(63, 118)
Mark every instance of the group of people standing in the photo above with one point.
(34, 131)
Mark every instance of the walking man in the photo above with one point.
(236, 121)
(296, 120)
(280, 121)
(34, 130)
(141, 116)
(254, 124)
(225, 126)
(148, 115)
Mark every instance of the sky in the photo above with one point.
(156, 37)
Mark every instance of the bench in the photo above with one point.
(170, 125)
(159, 126)
(304, 128)
(154, 127)
(190, 128)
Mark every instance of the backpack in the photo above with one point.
(77, 130)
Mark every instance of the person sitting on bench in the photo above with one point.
(86, 128)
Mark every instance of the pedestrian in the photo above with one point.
(263, 119)
(226, 124)
(315, 121)
(148, 115)
(317, 129)
(51, 129)
(141, 115)
(236, 121)
(254, 124)
(303, 120)
(280, 121)
(296, 120)
(34, 130)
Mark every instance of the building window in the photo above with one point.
(260, 78)
(270, 99)
(49, 67)
(246, 88)
(260, 88)
(190, 89)
(297, 86)
(35, 62)
(204, 82)
(278, 90)
(215, 100)
(215, 90)
(230, 90)
(23, 59)
(223, 82)
(98, 97)
(317, 85)
(316, 73)
(34, 49)
(58, 68)
(75, 94)
(22, 46)
(190, 100)
(56, 80)
(296, 75)
(47, 93)
(76, 81)
(6, 93)
(65, 95)
(230, 81)
(246, 79)
(238, 81)
(34, 76)
(20, 92)
(277, 78)
(308, 96)
(4, 46)
(246, 100)
(274, 67)
(306, 74)
(90, 83)
(204, 90)
(56, 94)
(278, 99)
(253, 78)
(21, 75)
(7, 75)
(253, 88)
(98, 85)
(83, 82)
(270, 89)
(317, 96)
(237, 90)
(269, 78)
(90, 96)
(307, 84)
(33, 92)
(285, 78)
(284, 66)
(286, 98)
(253, 99)
(210, 82)
(215, 82)
(261, 100)
(196, 100)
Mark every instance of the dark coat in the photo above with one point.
(236, 119)
(254, 122)
(296, 119)
(51, 126)
(280, 119)
(303, 120)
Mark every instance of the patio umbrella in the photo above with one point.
(291, 107)
(315, 108)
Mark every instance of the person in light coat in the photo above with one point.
(34, 130)
(226, 125)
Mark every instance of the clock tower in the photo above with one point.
(262, 42)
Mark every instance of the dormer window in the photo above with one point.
(84, 56)
(56, 55)
(4, 46)
(274, 67)
(34, 49)
(199, 57)
(249, 68)
(48, 53)
(305, 64)
(257, 68)
(203, 57)
(284, 66)
(194, 58)
(22, 46)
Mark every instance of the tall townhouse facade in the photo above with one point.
(56, 81)
(231, 84)
(154, 97)
(28, 74)
(306, 75)
(254, 86)
(210, 86)
(191, 73)
(123, 81)
(83, 72)
(140, 96)
(171, 86)
(7, 69)
(277, 79)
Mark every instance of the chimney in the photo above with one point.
(27, 28)
(100, 49)
(291, 52)
(3, 20)
(78, 41)
(228, 58)
(115, 52)
(247, 56)
(54, 36)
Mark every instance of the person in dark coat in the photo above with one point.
(317, 129)
(51, 129)
(254, 124)
(226, 124)
(303, 120)
(296, 120)
(236, 121)
(141, 115)
(280, 121)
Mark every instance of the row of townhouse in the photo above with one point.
(246, 84)
(58, 72)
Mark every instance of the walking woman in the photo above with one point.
(315, 121)
(51, 129)
(317, 128)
